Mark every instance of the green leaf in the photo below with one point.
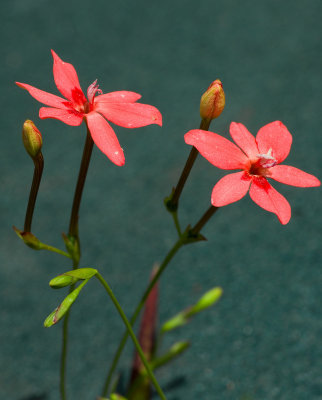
(64, 307)
(71, 277)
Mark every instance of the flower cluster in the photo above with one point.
(257, 158)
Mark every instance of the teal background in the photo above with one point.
(263, 340)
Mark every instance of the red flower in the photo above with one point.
(118, 107)
(258, 159)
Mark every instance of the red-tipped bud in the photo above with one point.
(212, 101)
(31, 138)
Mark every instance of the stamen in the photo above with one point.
(92, 90)
(267, 160)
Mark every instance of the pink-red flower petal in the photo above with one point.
(104, 137)
(129, 115)
(274, 136)
(230, 188)
(69, 117)
(121, 96)
(264, 195)
(244, 139)
(216, 149)
(66, 80)
(293, 176)
(44, 97)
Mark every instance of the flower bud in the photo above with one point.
(212, 101)
(31, 138)
(71, 277)
(207, 300)
(61, 281)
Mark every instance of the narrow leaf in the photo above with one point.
(63, 308)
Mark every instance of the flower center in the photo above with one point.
(92, 90)
(262, 164)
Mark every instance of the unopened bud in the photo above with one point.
(31, 138)
(61, 281)
(207, 300)
(71, 277)
(212, 101)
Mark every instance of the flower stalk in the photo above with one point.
(173, 201)
(73, 248)
(203, 220)
(38, 170)
(88, 148)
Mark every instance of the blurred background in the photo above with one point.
(263, 339)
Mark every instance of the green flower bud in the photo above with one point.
(182, 318)
(71, 277)
(31, 138)
(207, 300)
(61, 281)
(212, 101)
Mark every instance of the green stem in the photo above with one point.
(55, 250)
(176, 222)
(39, 166)
(63, 358)
(136, 313)
(133, 337)
(75, 254)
